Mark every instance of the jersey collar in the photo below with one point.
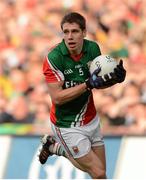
(65, 51)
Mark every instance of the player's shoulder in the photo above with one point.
(54, 55)
(90, 43)
(92, 47)
(54, 50)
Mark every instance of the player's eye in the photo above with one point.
(65, 31)
(75, 31)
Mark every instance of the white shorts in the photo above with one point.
(77, 141)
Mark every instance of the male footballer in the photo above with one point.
(74, 120)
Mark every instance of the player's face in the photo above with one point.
(73, 37)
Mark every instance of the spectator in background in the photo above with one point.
(41, 123)
(18, 112)
(3, 105)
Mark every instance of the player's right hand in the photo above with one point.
(99, 82)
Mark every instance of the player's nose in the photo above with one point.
(70, 35)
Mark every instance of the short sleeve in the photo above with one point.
(51, 73)
(95, 50)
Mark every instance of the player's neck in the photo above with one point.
(75, 52)
(76, 57)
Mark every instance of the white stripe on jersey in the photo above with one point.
(80, 115)
(57, 73)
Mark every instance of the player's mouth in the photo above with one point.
(71, 44)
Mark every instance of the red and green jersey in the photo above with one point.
(59, 65)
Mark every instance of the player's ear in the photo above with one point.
(84, 33)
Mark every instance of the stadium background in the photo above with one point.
(28, 28)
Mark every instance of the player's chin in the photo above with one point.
(72, 48)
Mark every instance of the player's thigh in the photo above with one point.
(91, 162)
(100, 154)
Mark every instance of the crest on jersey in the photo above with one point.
(75, 149)
(89, 63)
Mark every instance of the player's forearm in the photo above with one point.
(66, 95)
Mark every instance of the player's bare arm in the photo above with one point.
(60, 96)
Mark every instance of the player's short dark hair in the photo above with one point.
(74, 17)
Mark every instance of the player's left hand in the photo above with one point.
(119, 73)
(108, 80)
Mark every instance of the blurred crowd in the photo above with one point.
(28, 28)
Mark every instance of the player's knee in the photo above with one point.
(97, 173)
(101, 175)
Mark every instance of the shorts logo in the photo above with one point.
(75, 149)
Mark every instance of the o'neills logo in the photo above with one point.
(88, 64)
